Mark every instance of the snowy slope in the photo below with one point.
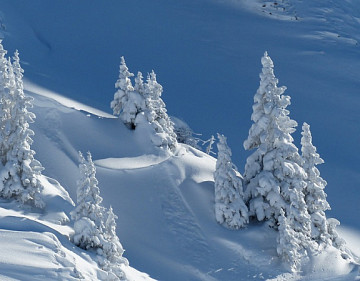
(206, 54)
(164, 202)
(36, 246)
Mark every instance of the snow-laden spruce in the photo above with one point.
(127, 103)
(156, 114)
(112, 249)
(274, 168)
(20, 171)
(142, 104)
(289, 246)
(230, 209)
(315, 196)
(274, 176)
(4, 100)
(88, 214)
(95, 229)
(323, 229)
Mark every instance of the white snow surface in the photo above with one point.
(165, 207)
(165, 203)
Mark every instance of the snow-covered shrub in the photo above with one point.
(184, 134)
(230, 209)
(19, 176)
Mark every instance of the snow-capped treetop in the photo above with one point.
(139, 83)
(230, 208)
(128, 102)
(269, 107)
(315, 195)
(124, 82)
(3, 66)
(156, 114)
(308, 150)
(123, 86)
(18, 71)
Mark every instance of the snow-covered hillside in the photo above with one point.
(207, 56)
(165, 203)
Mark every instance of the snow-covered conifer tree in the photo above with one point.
(315, 196)
(274, 167)
(123, 86)
(156, 114)
(113, 249)
(94, 229)
(127, 102)
(88, 214)
(21, 171)
(4, 101)
(139, 83)
(230, 209)
(289, 246)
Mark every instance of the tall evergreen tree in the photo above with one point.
(88, 214)
(139, 83)
(4, 101)
(21, 171)
(289, 242)
(156, 114)
(314, 194)
(230, 209)
(127, 102)
(274, 167)
(113, 250)
(94, 229)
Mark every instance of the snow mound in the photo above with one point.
(130, 162)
